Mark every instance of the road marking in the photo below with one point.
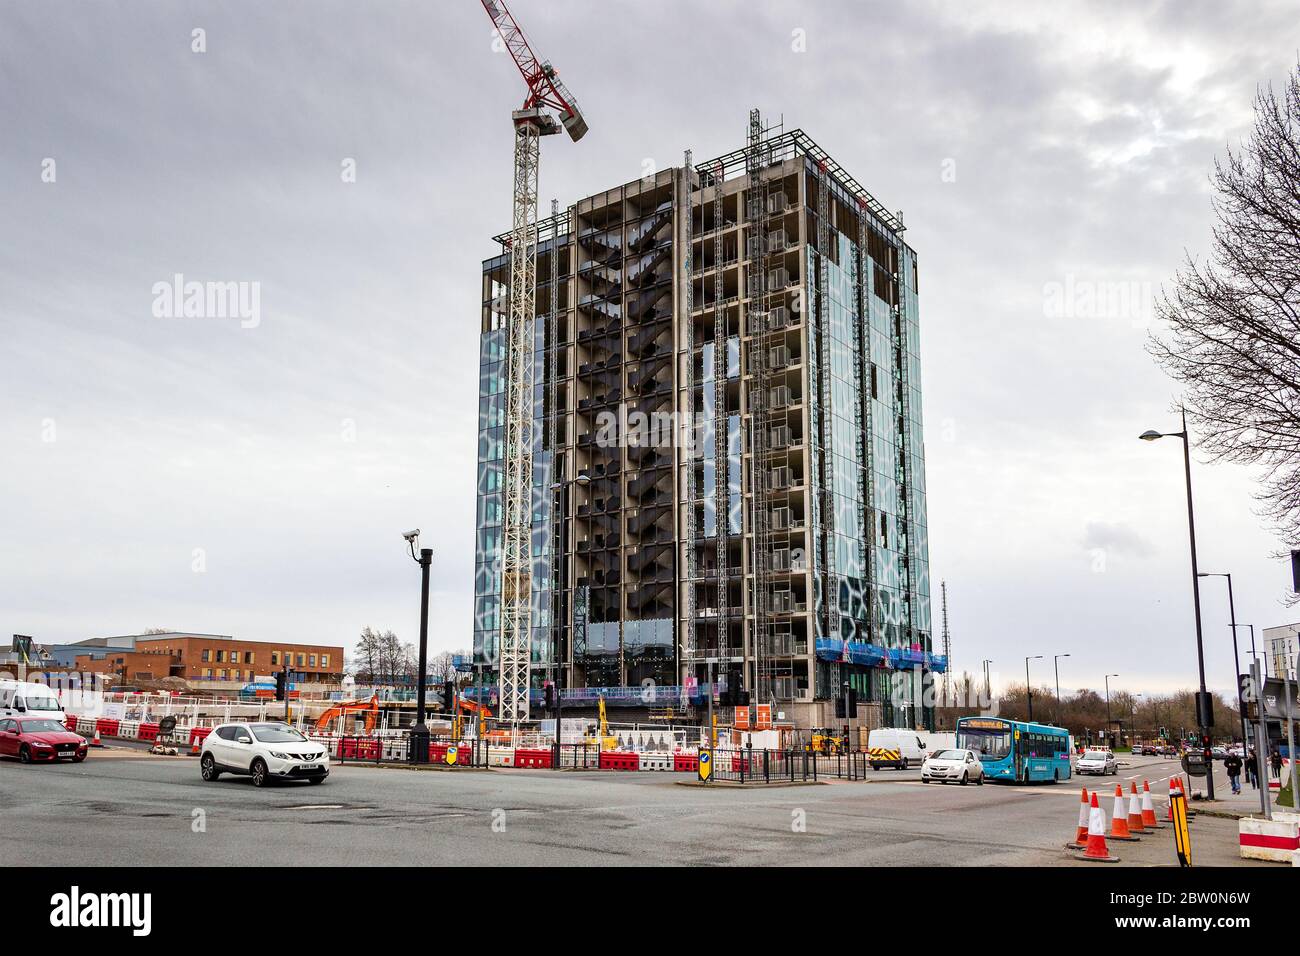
(316, 806)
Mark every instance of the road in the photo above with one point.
(127, 808)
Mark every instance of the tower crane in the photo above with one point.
(547, 108)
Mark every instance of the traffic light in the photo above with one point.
(548, 695)
(281, 685)
(448, 696)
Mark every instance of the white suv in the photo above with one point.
(263, 752)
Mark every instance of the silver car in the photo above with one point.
(1098, 761)
(961, 766)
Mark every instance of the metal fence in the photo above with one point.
(764, 766)
(397, 749)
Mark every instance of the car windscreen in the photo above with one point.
(952, 755)
(276, 734)
(42, 725)
(40, 702)
(987, 744)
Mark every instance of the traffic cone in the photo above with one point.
(1135, 812)
(1096, 849)
(1173, 788)
(1148, 809)
(1081, 834)
(95, 741)
(194, 747)
(1119, 829)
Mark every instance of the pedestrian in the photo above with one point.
(1275, 761)
(1252, 768)
(1232, 766)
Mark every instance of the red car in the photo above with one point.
(39, 738)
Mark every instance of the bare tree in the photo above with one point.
(1233, 336)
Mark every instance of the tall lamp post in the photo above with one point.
(988, 686)
(1204, 711)
(420, 732)
(1056, 666)
(1108, 737)
(1236, 660)
(1029, 690)
(561, 490)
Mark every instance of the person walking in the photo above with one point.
(1275, 761)
(1232, 766)
(1252, 776)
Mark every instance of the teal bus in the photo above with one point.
(1014, 751)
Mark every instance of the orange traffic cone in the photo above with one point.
(1135, 812)
(95, 741)
(1096, 849)
(194, 747)
(1119, 829)
(1173, 788)
(1148, 809)
(1081, 834)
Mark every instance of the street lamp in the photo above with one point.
(1029, 690)
(1204, 711)
(1056, 666)
(988, 687)
(420, 732)
(561, 490)
(1236, 660)
(1108, 677)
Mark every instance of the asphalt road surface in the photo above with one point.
(122, 807)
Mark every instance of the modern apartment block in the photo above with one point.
(729, 471)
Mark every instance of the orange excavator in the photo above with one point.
(484, 713)
(368, 708)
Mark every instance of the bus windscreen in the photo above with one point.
(989, 744)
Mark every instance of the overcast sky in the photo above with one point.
(254, 477)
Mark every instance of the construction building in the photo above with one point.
(728, 468)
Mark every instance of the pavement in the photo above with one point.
(124, 807)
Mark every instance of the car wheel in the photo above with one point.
(965, 779)
(980, 780)
(260, 775)
(208, 768)
(904, 763)
(25, 755)
(78, 758)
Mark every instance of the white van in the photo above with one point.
(894, 747)
(20, 698)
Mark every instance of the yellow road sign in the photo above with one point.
(451, 755)
(1182, 835)
(706, 766)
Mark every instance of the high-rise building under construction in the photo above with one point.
(728, 466)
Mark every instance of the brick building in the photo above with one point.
(209, 659)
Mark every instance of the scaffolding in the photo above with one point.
(687, 647)
(758, 324)
(721, 496)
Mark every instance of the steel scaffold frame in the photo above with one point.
(686, 210)
(557, 472)
(758, 324)
(721, 492)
